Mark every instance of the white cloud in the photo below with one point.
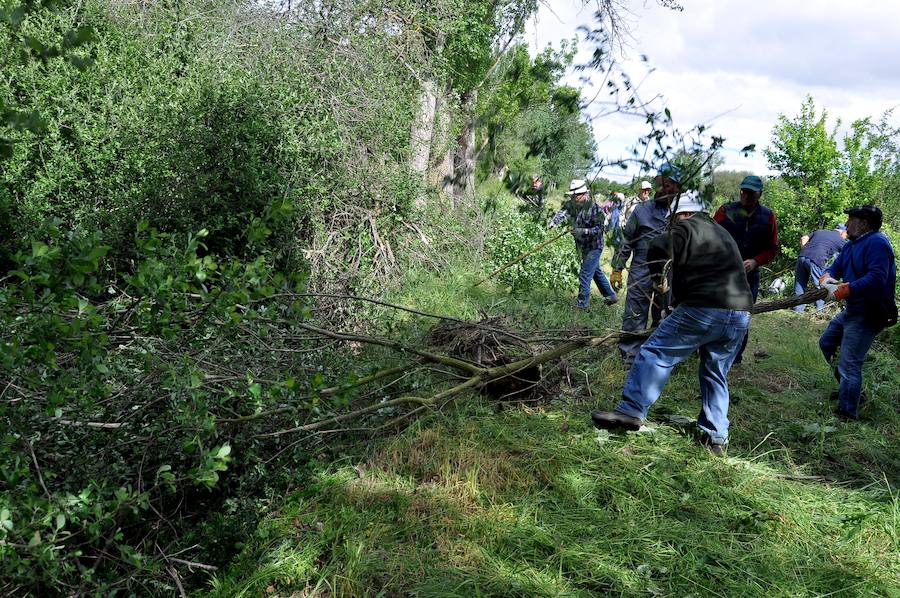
(746, 63)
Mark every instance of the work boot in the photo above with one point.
(611, 300)
(714, 448)
(717, 450)
(613, 420)
(845, 416)
(836, 396)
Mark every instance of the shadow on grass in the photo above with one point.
(513, 505)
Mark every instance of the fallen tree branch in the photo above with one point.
(383, 342)
(808, 297)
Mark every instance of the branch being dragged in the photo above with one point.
(479, 378)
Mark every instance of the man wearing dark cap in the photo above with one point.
(816, 249)
(869, 272)
(648, 220)
(754, 229)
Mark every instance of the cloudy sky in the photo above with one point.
(738, 64)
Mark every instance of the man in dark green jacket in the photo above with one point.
(712, 313)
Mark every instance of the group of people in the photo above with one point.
(696, 278)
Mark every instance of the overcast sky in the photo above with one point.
(738, 64)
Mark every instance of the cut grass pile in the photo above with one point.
(489, 499)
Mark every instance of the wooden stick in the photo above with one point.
(807, 297)
(518, 259)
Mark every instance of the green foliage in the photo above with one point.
(20, 44)
(190, 123)
(809, 160)
(112, 398)
(533, 501)
(530, 123)
(819, 179)
(556, 265)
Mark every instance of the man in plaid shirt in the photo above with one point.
(588, 223)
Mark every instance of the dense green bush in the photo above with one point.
(124, 398)
(554, 266)
(191, 122)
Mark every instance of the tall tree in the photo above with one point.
(809, 160)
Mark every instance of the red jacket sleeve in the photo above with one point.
(771, 252)
(720, 214)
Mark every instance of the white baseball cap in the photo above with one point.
(646, 185)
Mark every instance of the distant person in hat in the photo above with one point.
(648, 219)
(712, 313)
(588, 222)
(614, 209)
(755, 230)
(633, 202)
(536, 191)
(816, 250)
(868, 271)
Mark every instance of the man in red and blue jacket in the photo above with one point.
(755, 230)
(868, 268)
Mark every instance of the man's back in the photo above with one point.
(707, 270)
(822, 245)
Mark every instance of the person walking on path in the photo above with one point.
(648, 220)
(588, 221)
(712, 303)
(755, 230)
(816, 249)
(868, 269)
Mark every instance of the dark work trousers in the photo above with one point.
(753, 279)
(637, 310)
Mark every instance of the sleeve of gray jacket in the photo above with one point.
(629, 232)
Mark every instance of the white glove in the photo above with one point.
(832, 286)
(829, 281)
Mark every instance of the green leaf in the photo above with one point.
(60, 521)
(223, 451)
(39, 249)
(35, 540)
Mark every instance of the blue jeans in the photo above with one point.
(753, 281)
(806, 269)
(854, 336)
(590, 270)
(641, 304)
(717, 335)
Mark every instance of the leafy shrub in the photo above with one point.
(556, 265)
(124, 401)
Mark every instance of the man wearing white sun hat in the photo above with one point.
(712, 303)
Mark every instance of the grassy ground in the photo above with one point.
(527, 499)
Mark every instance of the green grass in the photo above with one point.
(488, 499)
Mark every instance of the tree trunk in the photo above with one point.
(441, 145)
(422, 134)
(464, 154)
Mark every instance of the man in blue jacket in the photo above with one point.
(869, 272)
(648, 220)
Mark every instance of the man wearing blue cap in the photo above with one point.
(817, 248)
(648, 220)
(754, 229)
